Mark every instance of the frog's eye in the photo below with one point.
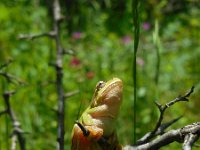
(100, 85)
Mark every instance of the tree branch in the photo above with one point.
(162, 109)
(11, 78)
(159, 131)
(34, 36)
(6, 64)
(17, 131)
(188, 134)
(59, 74)
(189, 141)
(70, 94)
(58, 65)
(3, 112)
(68, 52)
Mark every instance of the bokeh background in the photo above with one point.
(101, 35)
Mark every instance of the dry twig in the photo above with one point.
(17, 132)
(162, 109)
(34, 36)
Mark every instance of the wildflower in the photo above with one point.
(146, 26)
(77, 35)
(126, 39)
(90, 75)
(75, 61)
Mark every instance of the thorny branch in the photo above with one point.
(160, 130)
(34, 36)
(162, 109)
(58, 65)
(57, 17)
(11, 78)
(187, 135)
(189, 140)
(70, 94)
(6, 64)
(68, 52)
(17, 132)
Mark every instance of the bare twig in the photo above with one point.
(83, 129)
(160, 131)
(189, 141)
(58, 65)
(70, 94)
(34, 36)
(188, 134)
(6, 64)
(14, 143)
(164, 126)
(17, 131)
(162, 109)
(68, 52)
(3, 112)
(196, 145)
(59, 75)
(11, 78)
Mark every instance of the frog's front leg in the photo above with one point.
(95, 134)
(91, 132)
(86, 137)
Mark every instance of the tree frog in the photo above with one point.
(95, 129)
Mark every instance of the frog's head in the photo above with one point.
(108, 94)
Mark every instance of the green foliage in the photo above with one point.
(101, 35)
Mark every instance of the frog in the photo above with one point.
(95, 129)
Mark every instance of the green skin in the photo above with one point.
(99, 118)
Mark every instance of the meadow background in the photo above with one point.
(101, 35)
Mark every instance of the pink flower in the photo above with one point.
(146, 26)
(90, 75)
(126, 39)
(75, 61)
(140, 61)
(77, 35)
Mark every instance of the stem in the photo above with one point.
(135, 5)
(156, 40)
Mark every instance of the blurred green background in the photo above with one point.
(101, 34)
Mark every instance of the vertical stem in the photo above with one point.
(59, 76)
(135, 95)
(157, 66)
(135, 5)
(156, 40)
(7, 132)
(69, 14)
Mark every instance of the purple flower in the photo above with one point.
(126, 39)
(140, 61)
(77, 35)
(146, 26)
